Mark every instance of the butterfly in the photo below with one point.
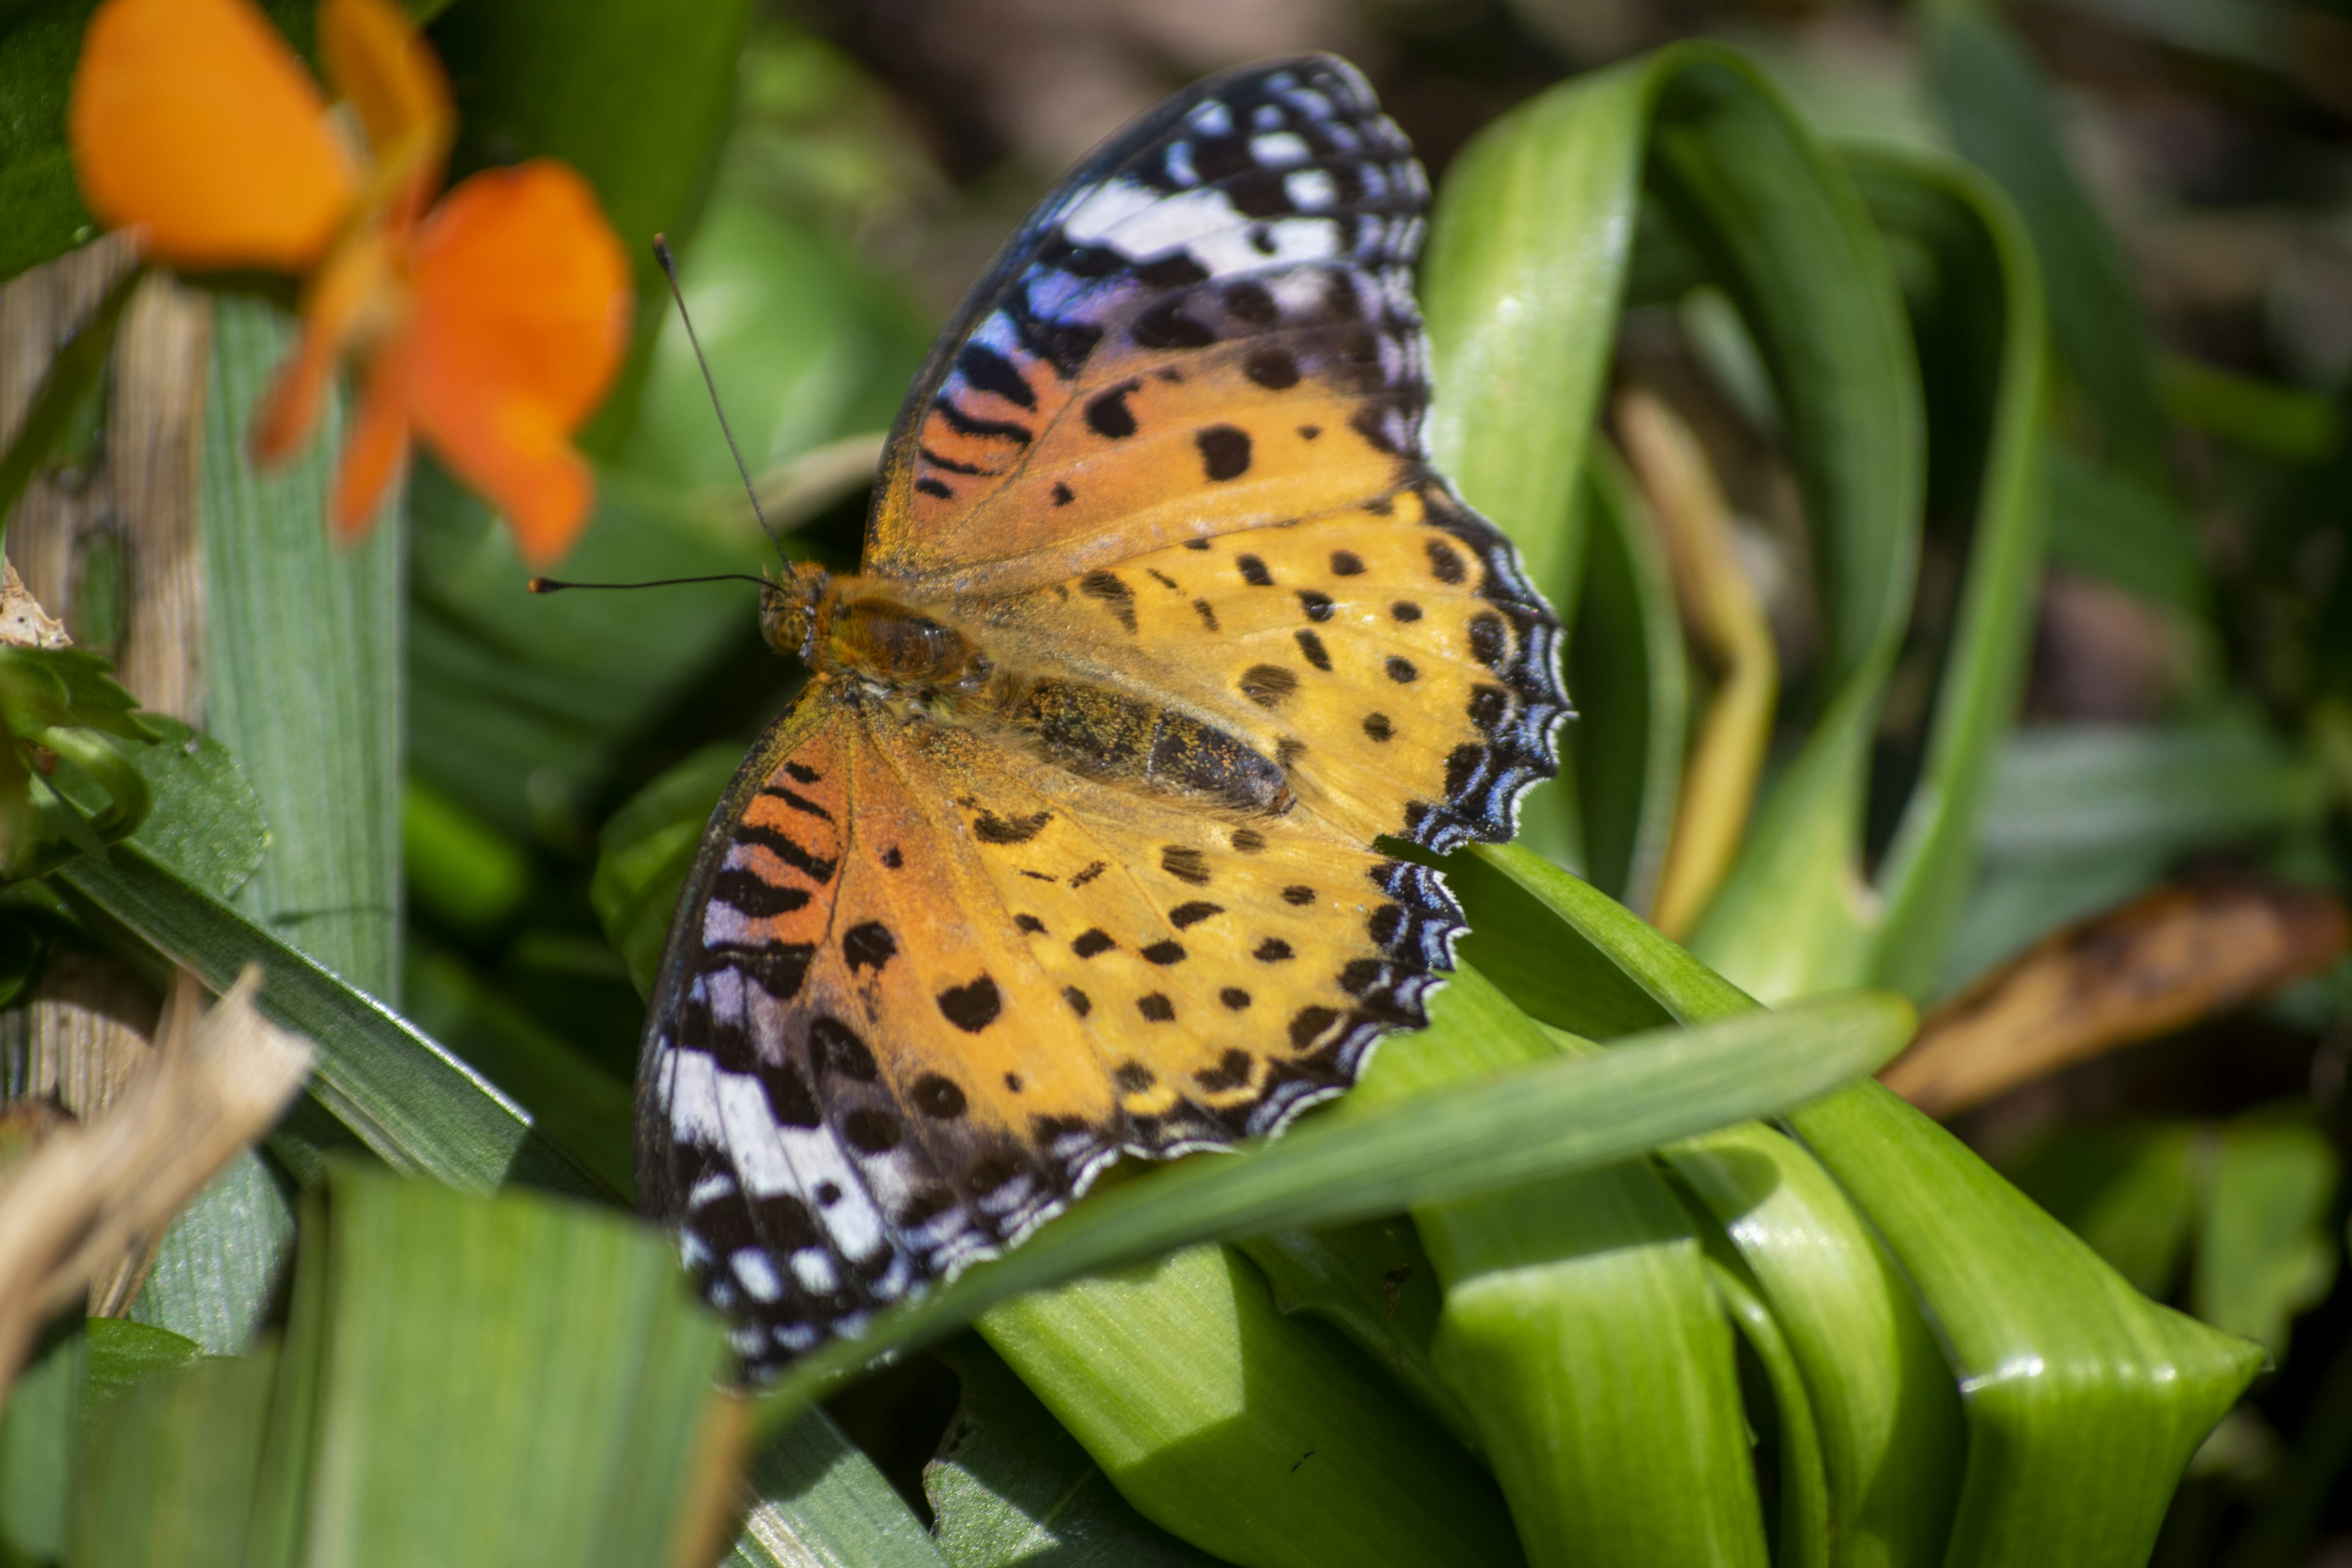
(1067, 846)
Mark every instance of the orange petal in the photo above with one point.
(376, 447)
(519, 314)
(354, 295)
(375, 59)
(192, 118)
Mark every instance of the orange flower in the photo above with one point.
(490, 324)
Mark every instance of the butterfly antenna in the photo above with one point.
(669, 271)
(556, 585)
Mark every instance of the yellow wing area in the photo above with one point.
(1388, 656)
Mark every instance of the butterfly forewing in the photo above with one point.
(943, 958)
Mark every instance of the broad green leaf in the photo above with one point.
(1011, 1485)
(1558, 1116)
(819, 1500)
(303, 670)
(2065, 1373)
(120, 1352)
(216, 1270)
(1806, 1523)
(206, 824)
(1373, 1283)
(39, 1430)
(402, 1094)
(1628, 674)
(517, 1380)
(1993, 100)
(2127, 1188)
(1528, 248)
(1259, 1438)
(1576, 1306)
(2266, 1242)
(2104, 523)
(171, 1468)
(1881, 1399)
(514, 1380)
(1980, 341)
(1579, 1331)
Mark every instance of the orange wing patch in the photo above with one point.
(1068, 847)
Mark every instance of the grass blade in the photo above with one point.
(406, 1096)
(1562, 1115)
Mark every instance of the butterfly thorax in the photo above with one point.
(856, 629)
(860, 633)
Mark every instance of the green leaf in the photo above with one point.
(304, 660)
(1558, 1116)
(644, 851)
(2086, 789)
(1628, 670)
(515, 1380)
(1011, 1485)
(459, 867)
(216, 1269)
(41, 214)
(72, 377)
(120, 1352)
(1994, 102)
(403, 1095)
(2266, 1247)
(1981, 345)
(38, 1430)
(819, 1500)
(1258, 1438)
(2065, 1373)
(1373, 1283)
(1806, 1523)
(2260, 415)
(2107, 524)
(206, 824)
(172, 1467)
(512, 1380)
(1882, 1397)
(2129, 1189)
(1576, 1309)
(2082, 817)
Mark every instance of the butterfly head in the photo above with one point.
(789, 610)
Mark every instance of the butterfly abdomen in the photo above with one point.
(1108, 735)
